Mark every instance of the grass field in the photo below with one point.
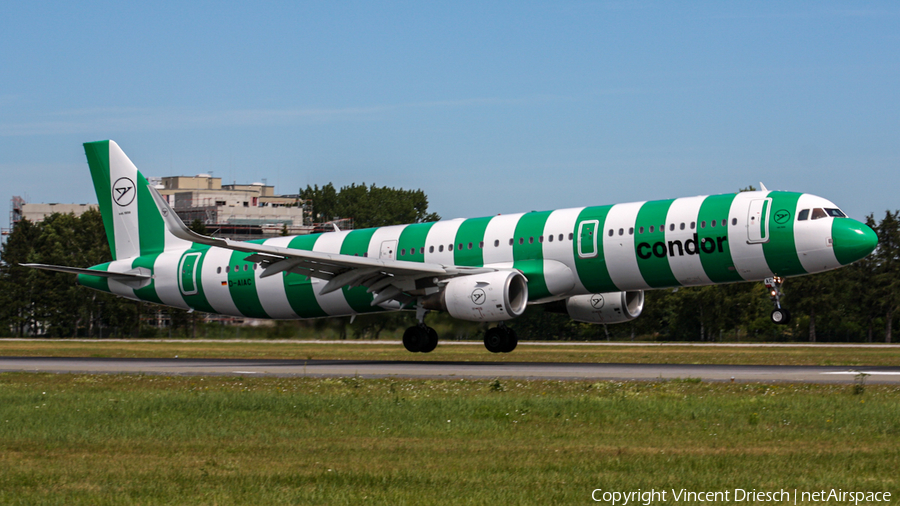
(526, 352)
(119, 439)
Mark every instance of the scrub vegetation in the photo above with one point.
(120, 439)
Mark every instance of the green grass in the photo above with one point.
(120, 439)
(766, 355)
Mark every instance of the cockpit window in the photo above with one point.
(803, 215)
(818, 213)
(837, 213)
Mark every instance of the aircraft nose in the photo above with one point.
(852, 240)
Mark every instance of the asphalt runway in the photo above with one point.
(449, 370)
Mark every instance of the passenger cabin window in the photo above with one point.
(497, 243)
(734, 221)
(818, 213)
(550, 237)
(441, 248)
(561, 236)
(571, 235)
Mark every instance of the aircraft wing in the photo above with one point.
(388, 279)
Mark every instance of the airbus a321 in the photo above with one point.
(593, 263)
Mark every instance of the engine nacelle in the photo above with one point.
(491, 297)
(613, 307)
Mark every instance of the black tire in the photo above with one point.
(414, 338)
(512, 340)
(787, 317)
(781, 316)
(495, 340)
(431, 341)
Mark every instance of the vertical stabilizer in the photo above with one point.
(133, 224)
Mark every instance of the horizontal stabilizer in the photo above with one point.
(90, 272)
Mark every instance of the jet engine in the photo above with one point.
(613, 307)
(492, 297)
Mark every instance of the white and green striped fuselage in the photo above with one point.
(693, 241)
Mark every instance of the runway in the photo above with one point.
(450, 370)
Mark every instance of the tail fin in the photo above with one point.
(132, 220)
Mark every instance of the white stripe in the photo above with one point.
(332, 303)
(618, 250)
(749, 259)
(123, 189)
(165, 279)
(270, 290)
(117, 287)
(687, 269)
(218, 296)
(382, 234)
(501, 228)
(811, 236)
(441, 236)
(562, 222)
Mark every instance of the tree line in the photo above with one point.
(858, 303)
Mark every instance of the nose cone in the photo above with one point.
(852, 240)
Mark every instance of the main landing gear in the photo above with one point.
(780, 316)
(420, 338)
(500, 339)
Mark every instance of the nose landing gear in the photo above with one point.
(780, 315)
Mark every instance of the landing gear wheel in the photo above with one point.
(512, 340)
(415, 338)
(496, 339)
(430, 342)
(781, 316)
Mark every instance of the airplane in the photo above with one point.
(592, 263)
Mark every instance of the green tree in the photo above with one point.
(369, 206)
(887, 271)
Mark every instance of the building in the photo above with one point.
(234, 210)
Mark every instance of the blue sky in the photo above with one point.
(488, 107)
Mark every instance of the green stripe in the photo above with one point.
(198, 300)
(780, 249)
(469, 249)
(357, 243)
(147, 293)
(412, 242)
(151, 229)
(95, 282)
(655, 270)
(719, 266)
(98, 161)
(762, 219)
(242, 284)
(592, 272)
(297, 288)
(529, 255)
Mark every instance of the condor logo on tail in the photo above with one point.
(691, 246)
